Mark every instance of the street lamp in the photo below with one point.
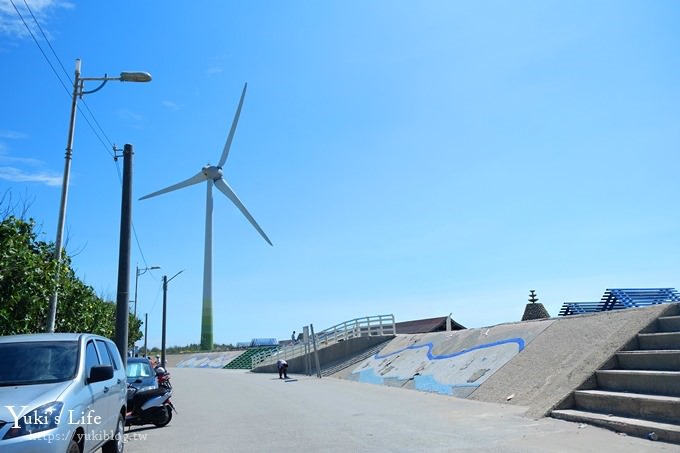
(78, 92)
(139, 272)
(166, 280)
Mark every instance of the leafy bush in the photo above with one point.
(27, 270)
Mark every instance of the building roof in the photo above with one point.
(427, 325)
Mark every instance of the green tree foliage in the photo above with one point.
(27, 269)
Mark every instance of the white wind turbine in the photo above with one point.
(212, 174)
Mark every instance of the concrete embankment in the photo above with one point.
(202, 359)
(534, 364)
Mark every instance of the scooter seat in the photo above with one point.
(146, 394)
(138, 398)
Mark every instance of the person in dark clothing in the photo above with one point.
(282, 366)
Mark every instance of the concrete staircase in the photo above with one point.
(243, 362)
(638, 391)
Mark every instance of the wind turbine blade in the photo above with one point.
(225, 189)
(225, 152)
(199, 177)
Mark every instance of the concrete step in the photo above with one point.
(664, 360)
(674, 310)
(640, 381)
(665, 432)
(661, 340)
(669, 324)
(663, 409)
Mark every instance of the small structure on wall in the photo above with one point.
(534, 309)
(441, 324)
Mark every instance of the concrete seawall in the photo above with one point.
(453, 363)
(534, 364)
(202, 359)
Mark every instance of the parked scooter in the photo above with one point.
(163, 377)
(149, 407)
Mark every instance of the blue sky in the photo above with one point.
(414, 158)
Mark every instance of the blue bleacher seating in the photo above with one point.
(616, 299)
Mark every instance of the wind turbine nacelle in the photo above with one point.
(212, 172)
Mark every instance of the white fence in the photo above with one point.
(368, 326)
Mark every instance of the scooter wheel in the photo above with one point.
(165, 418)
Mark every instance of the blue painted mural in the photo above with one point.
(452, 363)
(432, 356)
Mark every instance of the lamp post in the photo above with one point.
(139, 272)
(78, 92)
(166, 280)
(146, 330)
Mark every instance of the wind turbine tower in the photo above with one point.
(213, 176)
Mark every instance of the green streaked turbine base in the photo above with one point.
(207, 343)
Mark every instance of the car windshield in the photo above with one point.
(37, 362)
(139, 370)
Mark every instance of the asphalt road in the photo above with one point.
(238, 411)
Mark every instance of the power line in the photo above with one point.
(110, 145)
(104, 140)
(54, 53)
(46, 40)
(39, 47)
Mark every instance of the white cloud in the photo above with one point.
(7, 159)
(9, 172)
(4, 158)
(214, 70)
(129, 115)
(4, 133)
(169, 105)
(216, 65)
(16, 175)
(11, 23)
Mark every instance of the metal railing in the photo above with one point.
(368, 326)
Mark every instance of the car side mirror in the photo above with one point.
(100, 373)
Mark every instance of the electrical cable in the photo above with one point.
(69, 94)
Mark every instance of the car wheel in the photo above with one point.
(73, 447)
(117, 444)
(165, 417)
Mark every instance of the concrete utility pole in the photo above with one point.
(78, 92)
(165, 304)
(166, 280)
(146, 330)
(122, 306)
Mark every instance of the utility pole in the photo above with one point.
(52, 310)
(78, 92)
(166, 280)
(165, 304)
(139, 272)
(146, 329)
(122, 308)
